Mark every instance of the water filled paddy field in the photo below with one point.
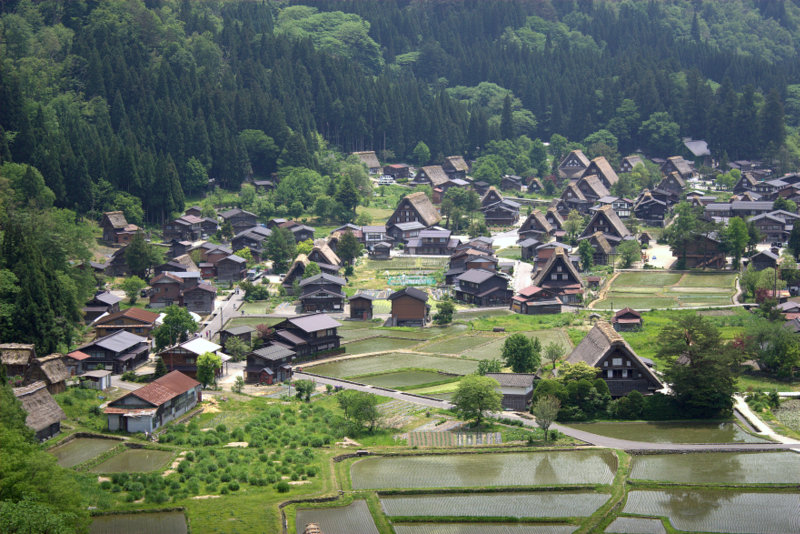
(377, 344)
(636, 525)
(135, 461)
(719, 468)
(478, 470)
(481, 528)
(392, 361)
(682, 432)
(403, 379)
(538, 504)
(351, 519)
(81, 450)
(720, 511)
(149, 523)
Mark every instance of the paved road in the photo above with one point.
(222, 315)
(588, 437)
(522, 275)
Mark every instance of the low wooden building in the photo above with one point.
(617, 363)
(627, 320)
(361, 306)
(244, 333)
(102, 303)
(154, 405)
(97, 379)
(269, 364)
(517, 389)
(44, 415)
(17, 359)
(308, 334)
(134, 320)
(534, 300)
(118, 352)
(410, 307)
(231, 268)
(183, 356)
(482, 288)
(322, 293)
(380, 251)
(52, 371)
(765, 259)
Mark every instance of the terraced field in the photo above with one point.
(643, 290)
(392, 361)
(339, 520)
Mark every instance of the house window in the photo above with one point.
(554, 277)
(624, 373)
(628, 363)
(609, 374)
(616, 361)
(559, 269)
(605, 363)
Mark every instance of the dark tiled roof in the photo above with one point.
(513, 380)
(314, 322)
(412, 292)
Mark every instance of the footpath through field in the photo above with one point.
(588, 437)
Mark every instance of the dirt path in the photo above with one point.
(603, 292)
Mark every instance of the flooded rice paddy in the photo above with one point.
(351, 519)
(636, 525)
(679, 432)
(134, 461)
(478, 470)
(81, 450)
(403, 379)
(144, 523)
(392, 361)
(720, 511)
(719, 468)
(538, 504)
(481, 528)
(377, 344)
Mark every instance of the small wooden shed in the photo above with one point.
(361, 306)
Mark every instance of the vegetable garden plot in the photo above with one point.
(406, 264)
(719, 468)
(539, 504)
(150, 522)
(722, 281)
(720, 511)
(636, 525)
(647, 279)
(391, 361)
(135, 461)
(351, 519)
(481, 528)
(453, 439)
(79, 450)
(479, 470)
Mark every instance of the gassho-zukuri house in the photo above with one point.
(155, 404)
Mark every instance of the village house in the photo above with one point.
(775, 226)
(455, 167)
(184, 228)
(672, 183)
(414, 212)
(309, 334)
(301, 232)
(535, 185)
(620, 367)
(534, 300)
(527, 248)
(263, 186)
(685, 169)
(231, 268)
(606, 221)
(432, 243)
(573, 165)
(572, 198)
(746, 182)
(102, 303)
(604, 252)
(209, 226)
(592, 188)
(370, 159)
(44, 415)
(76, 362)
(705, 252)
(766, 259)
(325, 257)
(154, 405)
(244, 333)
(511, 182)
(118, 352)
(197, 211)
(629, 162)
(600, 167)
(561, 278)
(183, 356)
(199, 298)
(97, 379)
(627, 320)
(516, 388)
(372, 235)
(16, 358)
(255, 239)
(432, 175)
(698, 148)
(322, 293)
(239, 219)
(467, 258)
(398, 171)
(269, 364)
(133, 320)
(117, 265)
(165, 290)
(52, 371)
(650, 210)
(545, 251)
(361, 306)
(623, 207)
(380, 251)
(503, 213)
(440, 190)
(409, 308)
(482, 288)
(116, 228)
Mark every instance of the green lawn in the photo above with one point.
(512, 253)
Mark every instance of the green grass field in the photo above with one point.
(642, 290)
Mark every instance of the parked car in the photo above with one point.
(386, 180)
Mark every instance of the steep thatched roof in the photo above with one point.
(425, 208)
(536, 221)
(559, 258)
(40, 406)
(601, 166)
(612, 219)
(579, 155)
(116, 219)
(368, 158)
(322, 248)
(457, 163)
(53, 368)
(436, 175)
(595, 184)
(16, 353)
(599, 342)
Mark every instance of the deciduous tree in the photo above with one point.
(475, 396)
(545, 411)
(131, 286)
(207, 365)
(519, 354)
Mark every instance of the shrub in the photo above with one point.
(233, 486)
(106, 485)
(282, 486)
